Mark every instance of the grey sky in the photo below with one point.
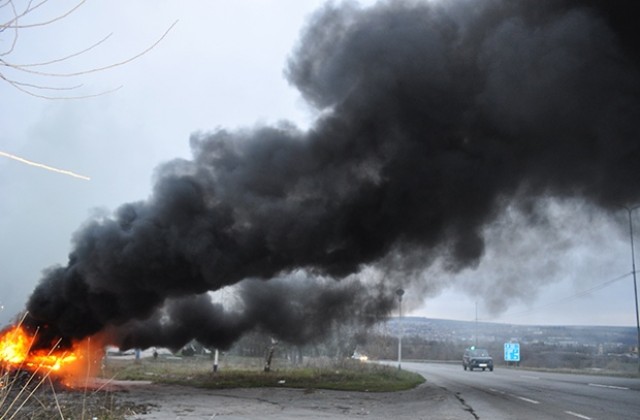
(222, 66)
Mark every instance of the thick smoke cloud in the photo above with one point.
(297, 310)
(433, 118)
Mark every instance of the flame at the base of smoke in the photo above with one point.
(71, 366)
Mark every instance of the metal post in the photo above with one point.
(476, 323)
(400, 292)
(635, 285)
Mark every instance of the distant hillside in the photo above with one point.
(489, 332)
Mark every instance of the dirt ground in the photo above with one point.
(164, 402)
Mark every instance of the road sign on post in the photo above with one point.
(512, 352)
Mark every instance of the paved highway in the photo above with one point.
(511, 393)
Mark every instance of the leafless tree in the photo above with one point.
(16, 18)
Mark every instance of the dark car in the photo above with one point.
(477, 358)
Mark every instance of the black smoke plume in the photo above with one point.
(432, 118)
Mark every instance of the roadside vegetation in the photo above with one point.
(242, 372)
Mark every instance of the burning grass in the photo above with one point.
(55, 382)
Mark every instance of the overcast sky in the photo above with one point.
(222, 65)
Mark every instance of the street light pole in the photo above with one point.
(400, 292)
(476, 323)
(635, 284)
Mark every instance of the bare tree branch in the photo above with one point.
(13, 23)
(15, 32)
(41, 87)
(97, 69)
(21, 87)
(29, 9)
(61, 59)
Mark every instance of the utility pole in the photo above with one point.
(476, 323)
(400, 292)
(635, 285)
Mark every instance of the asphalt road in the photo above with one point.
(512, 393)
(449, 393)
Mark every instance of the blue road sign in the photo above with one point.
(512, 352)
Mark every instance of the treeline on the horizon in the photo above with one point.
(547, 347)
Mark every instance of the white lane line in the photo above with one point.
(608, 386)
(527, 400)
(580, 416)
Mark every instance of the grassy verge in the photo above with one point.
(348, 375)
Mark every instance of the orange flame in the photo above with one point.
(66, 364)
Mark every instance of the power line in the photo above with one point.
(563, 300)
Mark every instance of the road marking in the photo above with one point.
(528, 400)
(580, 416)
(608, 386)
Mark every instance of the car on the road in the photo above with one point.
(360, 356)
(477, 358)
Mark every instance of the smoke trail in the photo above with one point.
(434, 118)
